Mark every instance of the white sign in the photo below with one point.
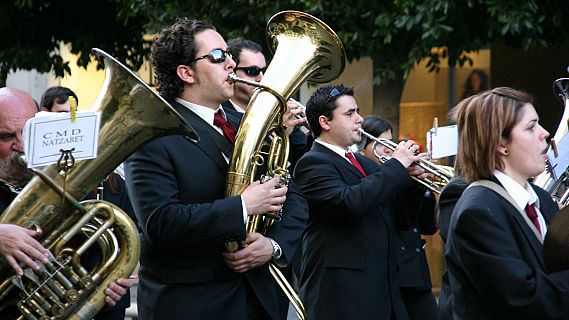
(45, 135)
(442, 142)
(561, 162)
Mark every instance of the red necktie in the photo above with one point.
(532, 215)
(356, 164)
(219, 121)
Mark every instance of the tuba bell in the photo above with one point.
(304, 49)
(558, 188)
(131, 114)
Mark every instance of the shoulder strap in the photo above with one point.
(504, 194)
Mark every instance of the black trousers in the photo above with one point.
(255, 310)
(420, 304)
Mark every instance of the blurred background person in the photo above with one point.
(476, 82)
(56, 99)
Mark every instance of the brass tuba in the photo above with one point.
(304, 48)
(131, 114)
(558, 188)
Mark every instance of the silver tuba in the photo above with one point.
(558, 188)
(305, 49)
(131, 114)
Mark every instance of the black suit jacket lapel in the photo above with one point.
(212, 143)
(339, 159)
(368, 165)
(535, 244)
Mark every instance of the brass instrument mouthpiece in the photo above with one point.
(21, 159)
(232, 78)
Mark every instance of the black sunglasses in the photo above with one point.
(215, 56)
(252, 71)
(333, 94)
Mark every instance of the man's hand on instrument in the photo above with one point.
(17, 245)
(261, 198)
(406, 153)
(259, 251)
(416, 170)
(293, 116)
(116, 290)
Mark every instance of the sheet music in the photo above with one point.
(442, 142)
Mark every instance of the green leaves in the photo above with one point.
(32, 31)
(398, 33)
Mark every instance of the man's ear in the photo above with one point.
(324, 123)
(186, 73)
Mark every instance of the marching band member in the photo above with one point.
(17, 244)
(494, 250)
(349, 252)
(413, 275)
(177, 187)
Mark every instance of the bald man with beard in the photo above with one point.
(17, 244)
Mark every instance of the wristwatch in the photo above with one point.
(277, 252)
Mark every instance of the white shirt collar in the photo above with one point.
(205, 113)
(521, 195)
(339, 150)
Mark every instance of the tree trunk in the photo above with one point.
(386, 98)
(3, 76)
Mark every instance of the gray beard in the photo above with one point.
(13, 172)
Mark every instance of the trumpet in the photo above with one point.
(305, 128)
(442, 174)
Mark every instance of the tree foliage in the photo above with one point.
(32, 31)
(397, 33)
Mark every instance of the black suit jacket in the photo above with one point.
(412, 261)
(177, 188)
(495, 262)
(6, 197)
(447, 201)
(227, 105)
(349, 253)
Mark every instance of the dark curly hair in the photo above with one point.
(323, 103)
(175, 46)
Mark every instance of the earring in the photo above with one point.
(506, 151)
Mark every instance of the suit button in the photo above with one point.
(380, 206)
(417, 250)
(415, 230)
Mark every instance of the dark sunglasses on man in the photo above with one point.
(215, 56)
(252, 71)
